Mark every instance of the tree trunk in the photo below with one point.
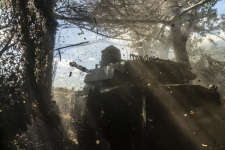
(164, 48)
(179, 44)
(165, 52)
(39, 57)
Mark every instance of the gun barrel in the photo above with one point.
(73, 64)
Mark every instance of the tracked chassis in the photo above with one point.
(144, 104)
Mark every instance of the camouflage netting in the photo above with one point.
(211, 72)
(27, 33)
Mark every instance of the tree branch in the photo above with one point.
(71, 45)
(6, 26)
(113, 37)
(149, 32)
(215, 34)
(154, 37)
(7, 46)
(189, 8)
(216, 54)
(114, 21)
(209, 31)
(159, 5)
(120, 13)
(187, 31)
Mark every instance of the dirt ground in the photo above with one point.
(40, 137)
(63, 102)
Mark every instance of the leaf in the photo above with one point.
(97, 141)
(192, 113)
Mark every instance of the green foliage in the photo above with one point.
(63, 90)
(73, 88)
(16, 145)
(208, 20)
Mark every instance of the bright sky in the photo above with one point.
(220, 7)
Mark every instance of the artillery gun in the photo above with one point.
(144, 103)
